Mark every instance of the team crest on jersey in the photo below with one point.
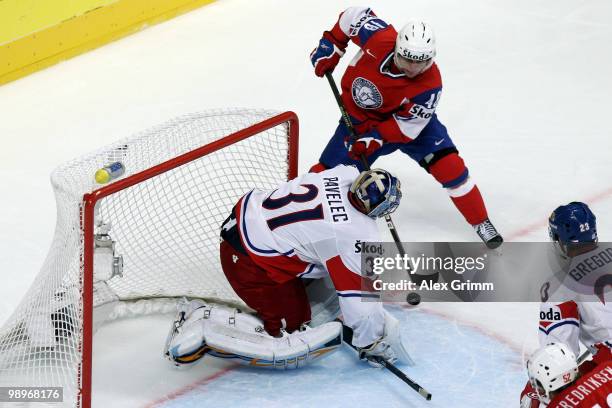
(365, 94)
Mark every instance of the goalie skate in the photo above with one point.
(184, 310)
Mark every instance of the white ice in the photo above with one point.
(526, 93)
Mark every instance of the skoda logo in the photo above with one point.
(365, 94)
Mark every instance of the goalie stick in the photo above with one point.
(347, 337)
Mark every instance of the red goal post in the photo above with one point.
(90, 200)
(164, 219)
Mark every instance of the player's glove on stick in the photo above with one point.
(379, 348)
(364, 144)
(326, 56)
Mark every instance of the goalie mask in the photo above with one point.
(375, 193)
(551, 369)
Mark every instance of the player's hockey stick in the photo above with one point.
(416, 298)
(347, 337)
(362, 158)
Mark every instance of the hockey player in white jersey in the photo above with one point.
(307, 228)
(577, 311)
(574, 309)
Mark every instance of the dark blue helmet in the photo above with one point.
(377, 192)
(572, 223)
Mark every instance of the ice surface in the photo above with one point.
(454, 363)
(526, 99)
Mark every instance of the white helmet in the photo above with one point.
(551, 368)
(416, 42)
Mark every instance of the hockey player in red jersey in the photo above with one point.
(308, 227)
(556, 381)
(390, 90)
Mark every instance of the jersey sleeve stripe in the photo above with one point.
(556, 325)
(307, 271)
(362, 295)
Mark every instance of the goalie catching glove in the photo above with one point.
(389, 347)
(224, 332)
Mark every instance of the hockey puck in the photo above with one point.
(413, 298)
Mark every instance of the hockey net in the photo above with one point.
(152, 234)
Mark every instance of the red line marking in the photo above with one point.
(602, 195)
(188, 388)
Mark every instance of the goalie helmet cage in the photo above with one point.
(152, 235)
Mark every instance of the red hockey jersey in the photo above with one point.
(374, 92)
(593, 390)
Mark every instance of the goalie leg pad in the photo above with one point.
(226, 333)
(244, 343)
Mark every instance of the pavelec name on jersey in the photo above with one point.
(334, 200)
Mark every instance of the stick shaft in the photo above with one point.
(347, 337)
(345, 117)
(347, 122)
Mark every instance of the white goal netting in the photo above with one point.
(154, 238)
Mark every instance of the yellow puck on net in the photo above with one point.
(102, 176)
(110, 172)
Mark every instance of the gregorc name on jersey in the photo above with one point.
(591, 263)
(334, 199)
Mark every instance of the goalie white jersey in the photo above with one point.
(308, 228)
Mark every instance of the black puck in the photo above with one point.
(413, 298)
